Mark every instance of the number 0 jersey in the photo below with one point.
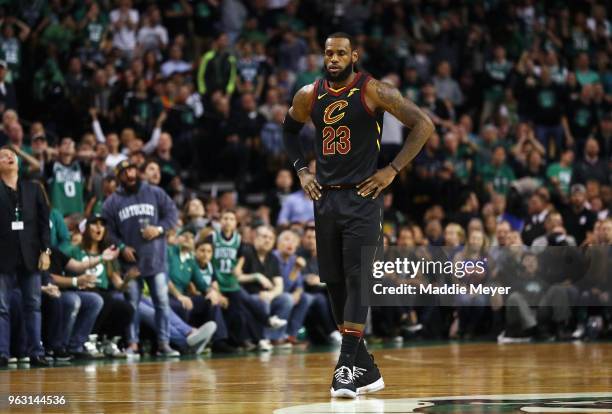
(66, 185)
(348, 133)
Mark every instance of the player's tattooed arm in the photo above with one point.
(389, 99)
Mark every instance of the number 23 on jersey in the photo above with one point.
(336, 139)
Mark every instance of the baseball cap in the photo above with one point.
(95, 218)
(578, 188)
(122, 166)
(91, 219)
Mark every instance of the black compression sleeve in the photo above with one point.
(291, 130)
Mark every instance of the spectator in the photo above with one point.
(250, 70)
(291, 49)
(262, 288)
(291, 267)
(152, 35)
(169, 167)
(137, 215)
(584, 74)
(310, 74)
(175, 63)
(8, 97)
(116, 313)
(591, 167)
(548, 100)
(70, 339)
(205, 304)
(497, 176)
(59, 235)
(66, 180)
(272, 132)
(552, 224)
(296, 208)
(560, 174)
(195, 216)
(497, 73)
(124, 20)
(521, 307)
(217, 70)
(27, 163)
(94, 26)
(538, 212)
(579, 121)
(471, 308)
(233, 15)
(579, 220)
(447, 88)
(11, 45)
(604, 135)
(26, 252)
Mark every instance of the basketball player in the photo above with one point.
(347, 110)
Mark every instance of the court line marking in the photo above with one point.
(390, 405)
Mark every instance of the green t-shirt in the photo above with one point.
(501, 177)
(563, 174)
(60, 236)
(254, 36)
(66, 185)
(460, 163)
(100, 271)
(183, 270)
(97, 207)
(289, 21)
(224, 260)
(58, 35)
(95, 30)
(24, 167)
(588, 77)
(498, 72)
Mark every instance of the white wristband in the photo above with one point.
(74, 282)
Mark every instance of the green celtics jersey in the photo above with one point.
(208, 273)
(66, 185)
(11, 49)
(501, 177)
(224, 260)
(100, 271)
(563, 174)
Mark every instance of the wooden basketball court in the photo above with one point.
(557, 376)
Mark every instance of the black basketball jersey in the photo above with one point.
(347, 139)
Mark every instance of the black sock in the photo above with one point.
(363, 358)
(348, 350)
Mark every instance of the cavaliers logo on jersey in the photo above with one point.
(334, 112)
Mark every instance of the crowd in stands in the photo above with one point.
(193, 94)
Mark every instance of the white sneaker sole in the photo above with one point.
(202, 335)
(342, 393)
(377, 385)
(277, 323)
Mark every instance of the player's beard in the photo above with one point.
(340, 76)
